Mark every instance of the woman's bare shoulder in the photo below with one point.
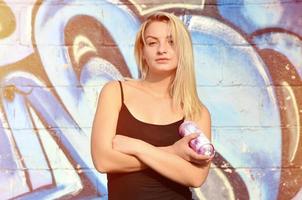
(205, 113)
(110, 92)
(110, 87)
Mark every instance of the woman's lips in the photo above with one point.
(162, 60)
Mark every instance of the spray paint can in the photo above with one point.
(201, 144)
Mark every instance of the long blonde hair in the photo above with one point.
(183, 87)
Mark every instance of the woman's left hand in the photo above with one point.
(126, 145)
(183, 149)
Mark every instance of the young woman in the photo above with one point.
(135, 132)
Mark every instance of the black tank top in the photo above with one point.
(145, 184)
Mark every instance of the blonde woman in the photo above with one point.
(135, 132)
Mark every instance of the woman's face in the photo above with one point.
(159, 51)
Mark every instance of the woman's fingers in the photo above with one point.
(191, 136)
(195, 157)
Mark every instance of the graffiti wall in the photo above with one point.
(56, 55)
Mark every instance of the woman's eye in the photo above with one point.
(171, 42)
(151, 43)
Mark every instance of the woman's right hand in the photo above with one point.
(182, 148)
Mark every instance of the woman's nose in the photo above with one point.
(162, 48)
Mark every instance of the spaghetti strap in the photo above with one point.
(122, 93)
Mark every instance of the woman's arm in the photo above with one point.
(169, 165)
(105, 158)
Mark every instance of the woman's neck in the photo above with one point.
(158, 86)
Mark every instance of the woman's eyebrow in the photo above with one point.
(150, 36)
(153, 37)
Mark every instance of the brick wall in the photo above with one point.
(55, 56)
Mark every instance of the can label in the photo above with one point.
(201, 144)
